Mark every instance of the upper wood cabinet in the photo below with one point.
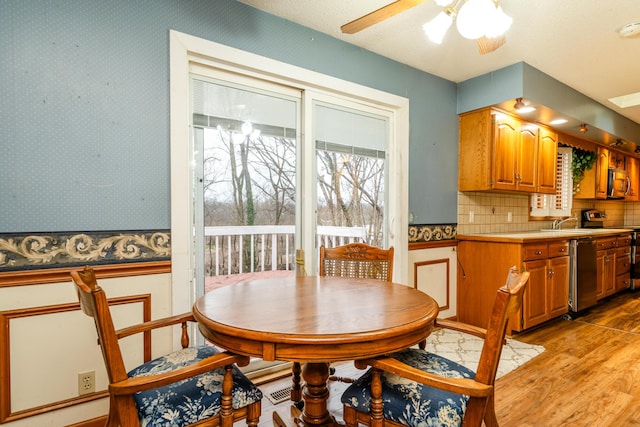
(602, 173)
(631, 165)
(498, 151)
(547, 165)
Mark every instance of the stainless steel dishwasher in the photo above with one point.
(583, 278)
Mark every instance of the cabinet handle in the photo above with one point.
(562, 249)
(538, 252)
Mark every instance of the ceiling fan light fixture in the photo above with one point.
(444, 3)
(438, 26)
(583, 128)
(474, 18)
(499, 23)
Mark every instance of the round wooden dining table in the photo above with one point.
(314, 321)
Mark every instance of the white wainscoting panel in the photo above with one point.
(434, 271)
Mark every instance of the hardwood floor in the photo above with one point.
(589, 374)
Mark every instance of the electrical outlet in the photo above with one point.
(86, 382)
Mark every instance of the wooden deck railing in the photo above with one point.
(248, 249)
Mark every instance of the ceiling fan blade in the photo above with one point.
(486, 45)
(379, 15)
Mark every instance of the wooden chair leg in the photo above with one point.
(226, 410)
(253, 414)
(112, 417)
(296, 389)
(376, 411)
(350, 416)
(422, 344)
(490, 419)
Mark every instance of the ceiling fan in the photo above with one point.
(486, 42)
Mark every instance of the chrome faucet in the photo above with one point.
(557, 223)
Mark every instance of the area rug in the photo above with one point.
(462, 348)
(465, 349)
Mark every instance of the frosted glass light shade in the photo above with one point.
(437, 27)
(473, 18)
(444, 3)
(499, 23)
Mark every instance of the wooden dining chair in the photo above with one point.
(192, 386)
(416, 388)
(356, 260)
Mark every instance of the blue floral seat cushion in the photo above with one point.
(190, 400)
(410, 403)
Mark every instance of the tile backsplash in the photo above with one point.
(480, 212)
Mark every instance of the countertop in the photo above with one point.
(535, 236)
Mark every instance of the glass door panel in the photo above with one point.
(248, 181)
(351, 175)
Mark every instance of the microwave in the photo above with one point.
(618, 183)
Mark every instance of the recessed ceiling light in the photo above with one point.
(626, 101)
(558, 121)
(524, 110)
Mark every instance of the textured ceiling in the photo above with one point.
(574, 41)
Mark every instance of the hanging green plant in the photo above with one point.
(582, 160)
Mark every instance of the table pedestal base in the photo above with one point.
(315, 395)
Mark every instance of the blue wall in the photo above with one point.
(85, 107)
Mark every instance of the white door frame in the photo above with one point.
(186, 50)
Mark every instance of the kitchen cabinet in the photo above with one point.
(631, 166)
(594, 184)
(623, 262)
(601, 174)
(606, 273)
(498, 151)
(613, 263)
(547, 163)
(546, 295)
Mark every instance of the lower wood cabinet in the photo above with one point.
(606, 272)
(547, 293)
(483, 268)
(613, 262)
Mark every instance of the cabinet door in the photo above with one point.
(600, 273)
(602, 169)
(631, 165)
(610, 273)
(506, 146)
(606, 272)
(547, 161)
(535, 296)
(558, 286)
(527, 165)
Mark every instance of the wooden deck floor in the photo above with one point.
(589, 374)
(213, 282)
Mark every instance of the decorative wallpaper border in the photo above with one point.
(21, 251)
(432, 233)
(46, 250)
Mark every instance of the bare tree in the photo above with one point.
(351, 186)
